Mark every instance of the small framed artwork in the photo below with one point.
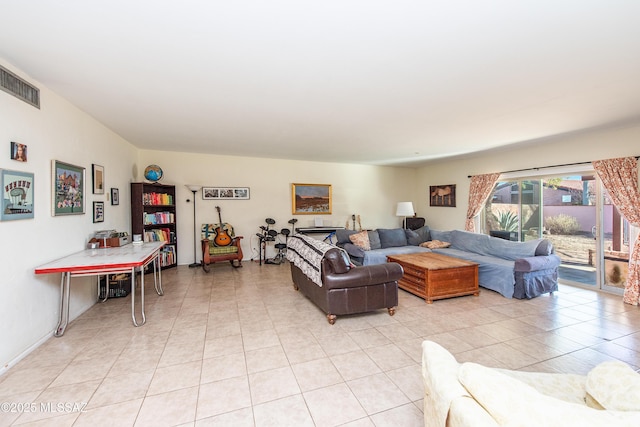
(226, 193)
(17, 199)
(98, 179)
(98, 211)
(442, 195)
(19, 151)
(115, 196)
(67, 193)
(311, 199)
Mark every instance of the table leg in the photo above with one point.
(133, 296)
(157, 281)
(64, 305)
(144, 319)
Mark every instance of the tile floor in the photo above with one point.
(240, 347)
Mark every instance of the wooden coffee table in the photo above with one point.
(434, 276)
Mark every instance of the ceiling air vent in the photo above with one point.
(19, 88)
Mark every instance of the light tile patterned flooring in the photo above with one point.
(240, 347)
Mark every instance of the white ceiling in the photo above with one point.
(395, 82)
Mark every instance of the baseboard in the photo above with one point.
(25, 353)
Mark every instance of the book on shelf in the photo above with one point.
(168, 256)
(151, 218)
(158, 235)
(151, 199)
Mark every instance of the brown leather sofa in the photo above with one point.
(350, 290)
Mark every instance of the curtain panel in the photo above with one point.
(480, 188)
(620, 178)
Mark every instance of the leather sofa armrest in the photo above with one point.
(364, 276)
(336, 261)
(536, 263)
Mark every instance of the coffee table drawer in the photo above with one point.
(410, 270)
(415, 288)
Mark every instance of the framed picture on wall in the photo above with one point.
(98, 211)
(311, 199)
(225, 193)
(442, 195)
(115, 196)
(17, 195)
(98, 179)
(67, 192)
(19, 151)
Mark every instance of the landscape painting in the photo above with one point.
(311, 199)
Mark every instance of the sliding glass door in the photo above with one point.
(571, 218)
(573, 211)
(562, 209)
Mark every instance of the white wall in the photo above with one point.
(29, 304)
(369, 191)
(574, 148)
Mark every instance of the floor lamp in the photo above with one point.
(194, 189)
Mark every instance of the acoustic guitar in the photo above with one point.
(222, 237)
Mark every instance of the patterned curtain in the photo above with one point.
(480, 188)
(620, 178)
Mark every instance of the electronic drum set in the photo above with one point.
(267, 234)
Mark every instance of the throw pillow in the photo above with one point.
(413, 238)
(342, 235)
(613, 386)
(374, 239)
(513, 403)
(424, 234)
(392, 237)
(435, 244)
(361, 240)
(544, 248)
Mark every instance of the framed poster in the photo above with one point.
(225, 193)
(98, 211)
(115, 196)
(98, 179)
(311, 199)
(17, 195)
(67, 193)
(442, 195)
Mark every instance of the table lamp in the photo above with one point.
(405, 209)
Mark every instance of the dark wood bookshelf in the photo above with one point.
(153, 215)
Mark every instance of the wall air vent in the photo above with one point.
(19, 88)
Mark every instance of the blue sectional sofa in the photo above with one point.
(520, 270)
